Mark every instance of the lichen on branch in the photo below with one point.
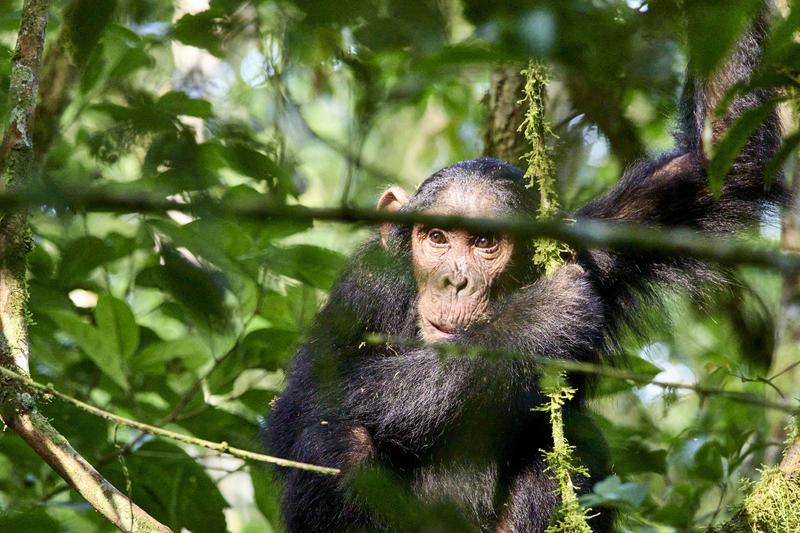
(17, 408)
(541, 170)
(561, 465)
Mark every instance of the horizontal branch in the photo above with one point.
(621, 374)
(578, 234)
(222, 447)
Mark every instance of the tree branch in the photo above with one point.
(581, 234)
(75, 470)
(17, 408)
(222, 447)
(581, 367)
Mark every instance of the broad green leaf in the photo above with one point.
(180, 103)
(203, 30)
(35, 520)
(637, 365)
(117, 325)
(238, 431)
(267, 349)
(82, 255)
(612, 492)
(789, 147)
(728, 18)
(92, 342)
(84, 23)
(267, 492)
(319, 267)
(201, 291)
(191, 351)
(699, 457)
(245, 160)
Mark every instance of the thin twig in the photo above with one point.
(458, 350)
(222, 447)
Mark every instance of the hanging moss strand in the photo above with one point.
(540, 171)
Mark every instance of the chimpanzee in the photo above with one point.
(462, 429)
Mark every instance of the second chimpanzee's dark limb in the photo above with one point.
(673, 190)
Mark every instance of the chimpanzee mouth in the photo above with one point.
(443, 330)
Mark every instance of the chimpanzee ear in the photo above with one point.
(391, 200)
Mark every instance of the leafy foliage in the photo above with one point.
(191, 322)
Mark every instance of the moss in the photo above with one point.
(774, 504)
(561, 464)
(793, 431)
(541, 169)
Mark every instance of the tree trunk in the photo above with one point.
(503, 139)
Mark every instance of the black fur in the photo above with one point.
(461, 430)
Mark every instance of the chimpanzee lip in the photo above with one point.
(442, 329)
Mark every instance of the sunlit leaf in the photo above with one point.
(181, 104)
(116, 323)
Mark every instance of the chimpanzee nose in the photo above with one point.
(456, 280)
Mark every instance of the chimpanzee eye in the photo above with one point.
(485, 241)
(437, 236)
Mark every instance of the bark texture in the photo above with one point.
(503, 139)
(17, 406)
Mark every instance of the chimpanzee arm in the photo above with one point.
(673, 190)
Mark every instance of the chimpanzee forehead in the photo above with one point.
(469, 198)
(482, 187)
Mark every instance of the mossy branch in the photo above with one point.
(584, 233)
(561, 465)
(17, 407)
(541, 170)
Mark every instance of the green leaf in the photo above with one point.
(199, 290)
(729, 148)
(179, 103)
(728, 18)
(131, 60)
(635, 456)
(267, 494)
(92, 342)
(84, 23)
(637, 365)
(117, 324)
(612, 492)
(788, 148)
(35, 520)
(250, 162)
(699, 457)
(82, 255)
(203, 30)
(191, 351)
(238, 431)
(318, 267)
(268, 349)
(170, 485)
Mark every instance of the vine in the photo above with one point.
(541, 170)
(561, 466)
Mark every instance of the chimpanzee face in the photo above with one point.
(456, 270)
